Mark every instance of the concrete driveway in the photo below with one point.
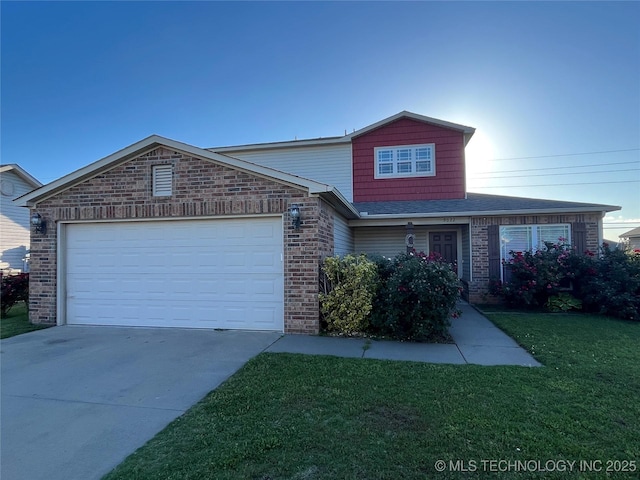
(77, 400)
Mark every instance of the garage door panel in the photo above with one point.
(233, 259)
(262, 231)
(263, 259)
(235, 232)
(265, 287)
(149, 287)
(193, 273)
(81, 262)
(226, 314)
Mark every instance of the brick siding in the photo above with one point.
(200, 188)
(478, 287)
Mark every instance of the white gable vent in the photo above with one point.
(162, 180)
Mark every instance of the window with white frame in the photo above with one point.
(162, 180)
(521, 238)
(405, 161)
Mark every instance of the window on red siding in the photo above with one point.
(405, 161)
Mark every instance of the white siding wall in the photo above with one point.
(388, 241)
(14, 224)
(329, 164)
(343, 242)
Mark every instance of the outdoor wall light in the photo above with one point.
(38, 223)
(295, 215)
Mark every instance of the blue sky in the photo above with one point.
(555, 81)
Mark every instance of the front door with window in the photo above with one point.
(446, 244)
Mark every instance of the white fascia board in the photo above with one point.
(468, 133)
(73, 178)
(338, 201)
(421, 118)
(22, 173)
(155, 141)
(633, 233)
(377, 221)
(275, 145)
(369, 219)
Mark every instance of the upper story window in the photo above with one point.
(405, 161)
(162, 180)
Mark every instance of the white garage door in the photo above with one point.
(185, 273)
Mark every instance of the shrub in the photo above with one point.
(563, 302)
(384, 269)
(534, 277)
(416, 297)
(610, 284)
(15, 288)
(347, 303)
(607, 283)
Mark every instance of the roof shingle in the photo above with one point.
(476, 203)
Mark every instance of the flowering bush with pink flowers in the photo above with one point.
(606, 282)
(609, 283)
(532, 277)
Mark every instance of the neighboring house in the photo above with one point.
(163, 233)
(631, 239)
(14, 220)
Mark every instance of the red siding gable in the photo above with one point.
(448, 183)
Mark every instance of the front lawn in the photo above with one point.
(286, 416)
(17, 322)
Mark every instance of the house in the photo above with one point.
(631, 239)
(14, 220)
(163, 233)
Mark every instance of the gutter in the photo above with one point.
(365, 219)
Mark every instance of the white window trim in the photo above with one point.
(162, 179)
(394, 162)
(534, 235)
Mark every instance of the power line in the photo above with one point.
(565, 155)
(566, 173)
(560, 184)
(559, 168)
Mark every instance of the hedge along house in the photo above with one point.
(168, 234)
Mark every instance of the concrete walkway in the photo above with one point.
(477, 341)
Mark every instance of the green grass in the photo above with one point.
(17, 322)
(286, 416)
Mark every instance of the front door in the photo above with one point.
(446, 244)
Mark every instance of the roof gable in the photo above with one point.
(466, 131)
(328, 192)
(151, 143)
(631, 233)
(21, 172)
